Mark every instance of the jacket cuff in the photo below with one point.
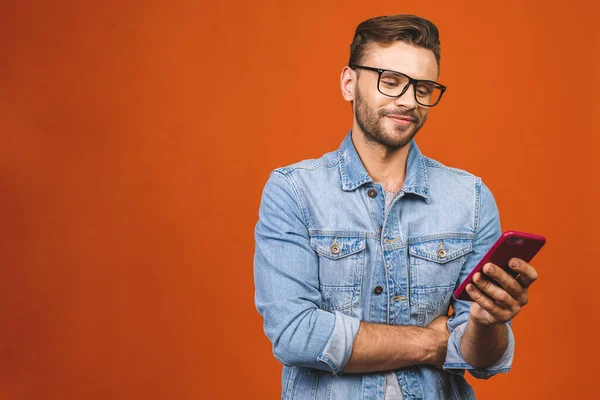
(455, 362)
(338, 349)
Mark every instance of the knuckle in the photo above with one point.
(490, 306)
(515, 287)
(480, 300)
(503, 297)
(517, 309)
(484, 284)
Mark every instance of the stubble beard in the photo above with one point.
(371, 122)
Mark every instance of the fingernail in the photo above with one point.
(489, 269)
(470, 288)
(514, 263)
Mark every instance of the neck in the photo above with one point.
(384, 165)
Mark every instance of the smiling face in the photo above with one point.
(382, 120)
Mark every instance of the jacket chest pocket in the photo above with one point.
(434, 270)
(341, 262)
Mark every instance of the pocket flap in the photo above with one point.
(441, 250)
(335, 247)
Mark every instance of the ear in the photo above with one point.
(348, 83)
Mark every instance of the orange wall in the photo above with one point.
(135, 141)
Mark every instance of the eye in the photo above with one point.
(389, 83)
(392, 80)
(424, 90)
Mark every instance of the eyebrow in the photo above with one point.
(396, 72)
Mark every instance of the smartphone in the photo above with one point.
(511, 244)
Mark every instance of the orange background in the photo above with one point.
(136, 138)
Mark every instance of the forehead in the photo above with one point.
(407, 58)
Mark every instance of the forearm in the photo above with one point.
(482, 344)
(386, 347)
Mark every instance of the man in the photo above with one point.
(358, 252)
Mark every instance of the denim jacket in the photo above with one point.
(329, 255)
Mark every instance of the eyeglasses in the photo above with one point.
(395, 84)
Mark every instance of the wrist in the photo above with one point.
(482, 323)
(435, 344)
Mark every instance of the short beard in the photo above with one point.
(371, 124)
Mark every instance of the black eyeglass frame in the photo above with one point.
(411, 81)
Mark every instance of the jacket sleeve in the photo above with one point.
(487, 232)
(286, 277)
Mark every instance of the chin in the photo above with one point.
(400, 139)
(394, 143)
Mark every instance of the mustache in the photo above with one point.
(410, 114)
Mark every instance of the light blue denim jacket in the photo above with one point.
(328, 255)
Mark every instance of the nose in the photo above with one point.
(407, 99)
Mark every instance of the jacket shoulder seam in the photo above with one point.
(297, 193)
(429, 162)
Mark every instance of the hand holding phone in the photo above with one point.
(510, 245)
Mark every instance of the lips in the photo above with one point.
(401, 119)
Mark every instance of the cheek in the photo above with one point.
(383, 106)
(422, 114)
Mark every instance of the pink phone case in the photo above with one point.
(511, 244)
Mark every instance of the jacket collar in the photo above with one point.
(354, 174)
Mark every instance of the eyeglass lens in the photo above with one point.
(393, 84)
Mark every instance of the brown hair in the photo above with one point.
(387, 29)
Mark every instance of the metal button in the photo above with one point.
(441, 253)
(372, 193)
(335, 249)
(378, 290)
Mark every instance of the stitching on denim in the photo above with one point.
(417, 191)
(454, 387)
(301, 203)
(306, 165)
(314, 232)
(293, 374)
(347, 250)
(436, 164)
(314, 386)
(330, 387)
(438, 236)
(334, 162)
(325, 359)
(347, 306)
(477, 204)
(342, 168)
(425, 175)
(432, 289)
(346, 184)
(441, 236)
(449, 257)
(469, 367)
(342, 288)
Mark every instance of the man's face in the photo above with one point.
(384, 120)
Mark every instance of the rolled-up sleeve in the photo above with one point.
(487, 232)
(286, 278)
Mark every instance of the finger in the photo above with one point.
(496, 293)
(495, 310)
(503, 278)
(527, 274)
